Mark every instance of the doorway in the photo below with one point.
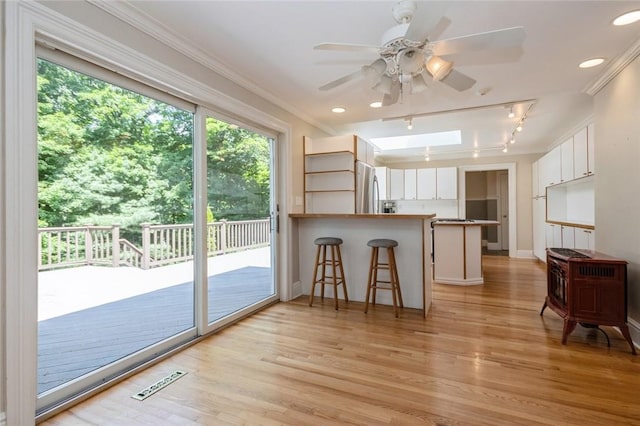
(487, 192)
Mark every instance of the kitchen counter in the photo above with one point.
(457, 251)
(412, 232)
(360, 216)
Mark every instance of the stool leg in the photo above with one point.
(392, 280)
(344, 283)
(376, 265)
(315, 277)
(324, 271)
(335, 277)
(371, 266)
(395, 278)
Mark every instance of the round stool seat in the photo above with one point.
(383, 243)
(327, 241)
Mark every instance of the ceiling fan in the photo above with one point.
(409, 60)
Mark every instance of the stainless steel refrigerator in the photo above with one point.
(367, 195)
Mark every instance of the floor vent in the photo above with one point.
(166, 381)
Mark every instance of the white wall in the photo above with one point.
(617, 179)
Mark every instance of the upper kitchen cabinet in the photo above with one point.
(381, 176)
(447, 183)
(395, 184)
(549, 168)
(583, 152)
(410, 184)
(426, 184)
(566, 160)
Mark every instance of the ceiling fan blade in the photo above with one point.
(425, 21)
(497, 39)
(458, 81)
(347, 47)
(342, 80)
(392, 98)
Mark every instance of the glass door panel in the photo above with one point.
(239, 219)
(115, 193)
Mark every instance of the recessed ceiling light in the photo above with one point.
(376, 104)
(338, 110)
(627, 18)
(591, 63)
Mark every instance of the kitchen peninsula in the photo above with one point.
(413, 254)
(457, 251)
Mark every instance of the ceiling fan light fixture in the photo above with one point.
(627, 18)
(384, 85)
(418, 84)
(438, 67)
(411, 60)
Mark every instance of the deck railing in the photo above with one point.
(161, 244)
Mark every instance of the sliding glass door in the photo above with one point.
(240, 219)
(115, 194)
(128, 267)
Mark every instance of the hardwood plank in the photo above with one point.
(483, 356)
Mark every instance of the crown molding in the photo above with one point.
(133, 16)
(613, 69)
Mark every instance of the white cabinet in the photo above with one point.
(553, 235)
(585, 239)
(568, 236)
(410, 188)
(381, 176)
(549, 167)
(534, 179)
(591, 149)
(539, 228)
(395, 184)
(566, 161)
(447, 183)
(583, 148)
(426, 184)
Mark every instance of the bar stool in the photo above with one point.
(374, 283)
(334, 263)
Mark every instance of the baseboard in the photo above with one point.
(493, 246)
(634, 331)
(525, 254)
(296, 290)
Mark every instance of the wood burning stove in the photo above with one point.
(589, 288)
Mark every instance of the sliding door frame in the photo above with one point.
(26, 22)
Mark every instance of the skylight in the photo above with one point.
(423, 140)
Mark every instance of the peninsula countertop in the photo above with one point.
(360, 216)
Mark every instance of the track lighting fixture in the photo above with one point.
(505, 148)
(519, 128)
(410, 125)
(475, 154)
(511, 113)
(512, 140)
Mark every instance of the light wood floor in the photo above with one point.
(483, 356)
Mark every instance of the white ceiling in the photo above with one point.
(267, 46)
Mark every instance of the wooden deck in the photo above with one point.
(133, 312)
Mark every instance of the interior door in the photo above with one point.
(503, 234)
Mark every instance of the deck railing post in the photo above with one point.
(223, 236)
(146, 245)
(115, 241)
(88, 245)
